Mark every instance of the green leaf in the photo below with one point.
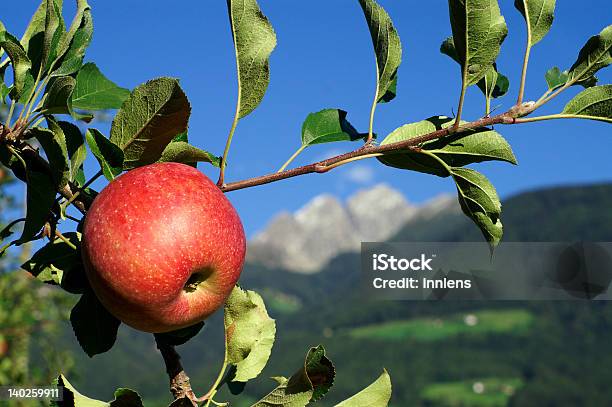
(478, 32)
(41, 191)
(494, 84)
(595, 55)
(387, 47)
(75, 146)
(180, 336)
(327, 126)
(59, 96)
(182, 152)
(254, 41)
(555, 78)
(181, 137)
(148, 121)
(57, 263)
(108, 154)
(94, 327)
(54, 31)
(376, 394)
(492, 76)
(94, 91)
(77, 23)
(20, 62)
(7, 230)
(249, 333)
(53, 142)
(320, 371)
(72, 398)
(126, 398)
(595, 102)
(72, 60)
(310, 383)
(459, 149)
(539, 16)
(480, 202)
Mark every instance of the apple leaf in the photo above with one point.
(109, 155)
(54, 31)
(53, 142)
(126, 398)
(539, 16)
(7, 231)
(182, 152)
(595, 55)
(249, 333)
(493, 84)
(93, 91)
(94, 327)
(555, 78)
(593, 103)
(387, 47)
(148, 121)
(72, 60)
(377, 394)
(309, 384)
(59, 94)
(254, 41)
(41, 191)
(20, 62)
(435, 157)
(480, 202)
(327, 126)
(72, 398)
(478, 32)
(76, 27)
(57, 263)
(180, 336)
(75, 147)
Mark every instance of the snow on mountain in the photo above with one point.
(306, 240)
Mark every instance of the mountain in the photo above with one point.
(304, 241)
(520, 353)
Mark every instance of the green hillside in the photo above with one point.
(524, 354)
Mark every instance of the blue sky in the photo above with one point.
(324, 59)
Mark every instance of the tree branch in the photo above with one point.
(180, 386)
(323, 166)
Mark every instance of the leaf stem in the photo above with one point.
(10, 114)
(545, 99)
(213, 390)
(299, 150)
(228, 143)
(65, 239)
(521, 93)
(562, 116)
(372, 112)
(461, 100)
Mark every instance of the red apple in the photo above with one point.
(162, 247)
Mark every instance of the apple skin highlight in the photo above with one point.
(162, 247)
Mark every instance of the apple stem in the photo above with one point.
(180, 386)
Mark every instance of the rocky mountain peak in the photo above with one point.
(305, 241)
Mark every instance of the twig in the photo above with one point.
(326, 165)
(180, 386)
